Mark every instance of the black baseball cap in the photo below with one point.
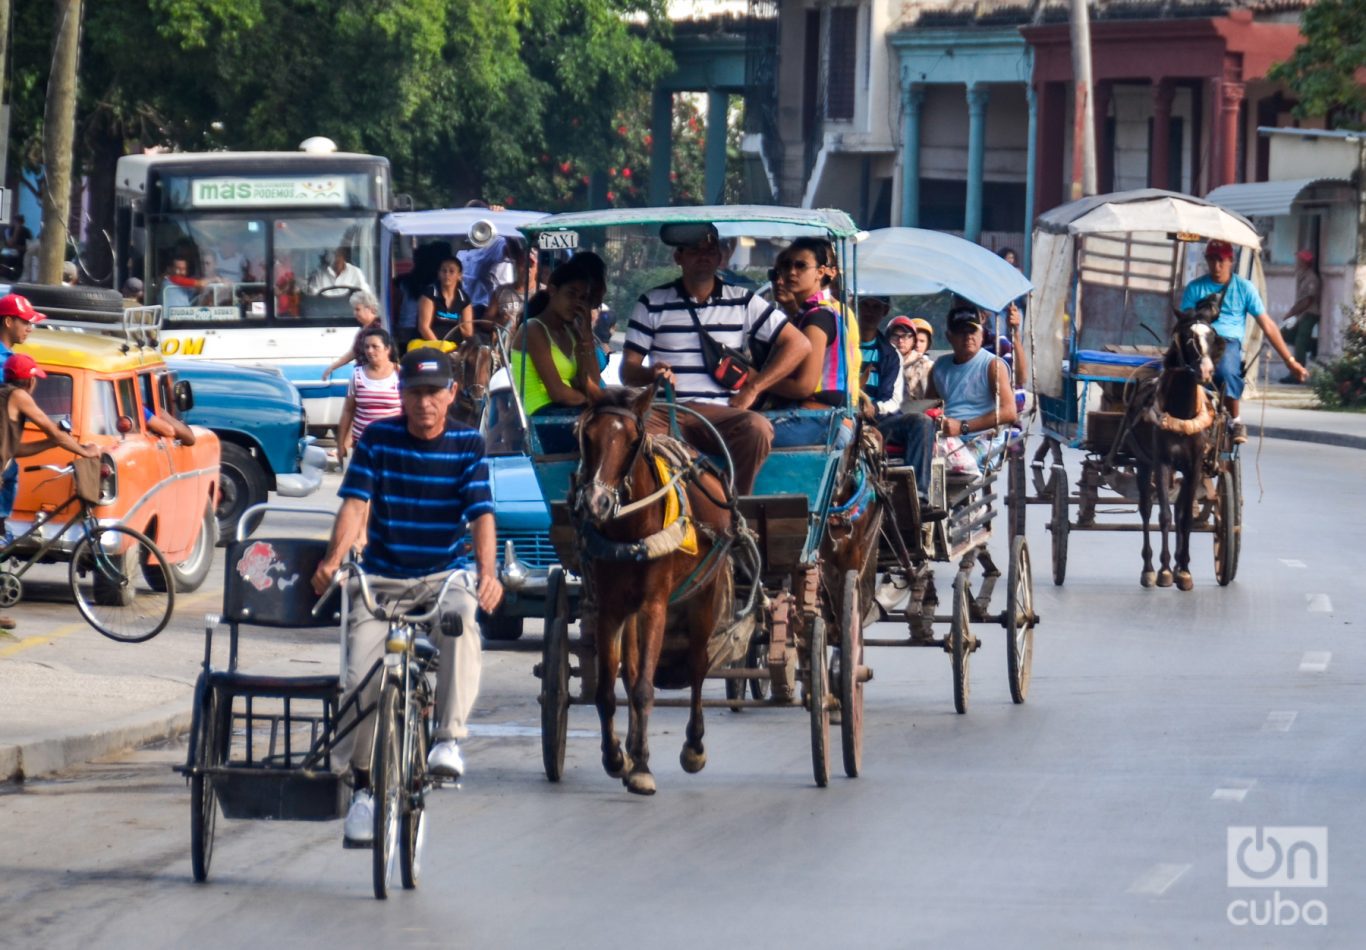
(689, 234)
(425, 366)
(964, 319)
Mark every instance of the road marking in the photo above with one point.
(67, 630)
(1158, 879)
(1279, 720)
(1293, 562)
(1234, 791)
(1319, 603)
(1315, 661)
(512, 730)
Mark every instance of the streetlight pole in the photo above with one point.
(1084, 124)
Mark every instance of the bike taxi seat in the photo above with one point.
(267, 583)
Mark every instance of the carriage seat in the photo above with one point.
(1108, 367)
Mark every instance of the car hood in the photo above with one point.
(513, 480)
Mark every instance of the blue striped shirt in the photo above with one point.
(422, 493)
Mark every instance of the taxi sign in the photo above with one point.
(558, 240)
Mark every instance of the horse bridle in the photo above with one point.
(624, 489)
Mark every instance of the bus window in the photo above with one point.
(211, 269)
(319, 263)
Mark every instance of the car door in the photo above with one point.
(173, 502)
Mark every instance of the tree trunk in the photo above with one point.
(59, 126)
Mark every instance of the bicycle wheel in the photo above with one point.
(109, 569)
(386, 780)
(413, 826)
(210, 752)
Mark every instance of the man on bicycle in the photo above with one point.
(421, 480)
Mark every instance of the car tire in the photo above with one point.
(97, 304)
(241, 484)
(190, 574)
(500, 626)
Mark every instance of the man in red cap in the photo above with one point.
(16, 408)
(1238, 300)
(17, 318)
(1301, 319)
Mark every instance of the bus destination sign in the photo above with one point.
(268, 192)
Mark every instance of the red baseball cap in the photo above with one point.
(1305, 257)
(903, 322)
(1219, 251)
(20, 367)
(16, 305)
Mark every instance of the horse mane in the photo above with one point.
(619, 397)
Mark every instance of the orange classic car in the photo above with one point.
(106, 389)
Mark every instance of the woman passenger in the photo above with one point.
(554, 355)
(445, 306)
(374, 392)
(365, 308)
(805, 271)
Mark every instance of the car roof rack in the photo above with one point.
(139, 326)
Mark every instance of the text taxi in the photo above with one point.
(111, 393)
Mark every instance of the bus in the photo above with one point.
(253, 256)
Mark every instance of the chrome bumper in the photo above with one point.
(312, 464)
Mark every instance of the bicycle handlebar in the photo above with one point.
(368, 598)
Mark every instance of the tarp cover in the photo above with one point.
(906, 261)
(1149, 209)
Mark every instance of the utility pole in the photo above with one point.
(4, 93)
(1083, 124)
(59, 131)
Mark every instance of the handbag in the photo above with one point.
(727, 366)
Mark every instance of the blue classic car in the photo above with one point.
(259, 419)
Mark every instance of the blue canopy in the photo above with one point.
(914, 261)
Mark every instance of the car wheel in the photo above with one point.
(190, 573)
(241, 484)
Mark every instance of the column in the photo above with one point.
(661, 146)
(977, 148)
(1105, 152)
(1214, 166)
(1031, 170)
(913, 97)
(718, 109)
(1159, 153)
(1229, 110)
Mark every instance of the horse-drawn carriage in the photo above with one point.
(683, 580)
(1111, 269)
(910, 261)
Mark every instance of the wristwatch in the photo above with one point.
(963, 427)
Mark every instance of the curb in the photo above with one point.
(35, 758)
(1320, 437)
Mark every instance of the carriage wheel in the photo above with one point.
(960, 640)
(1019, 620)
(1017, 501)
(851, 679)
(1228, 526)
(211, 750)
(555, 676)
(756, 657)
(817, 693)
(1060, 526)
(387, 780)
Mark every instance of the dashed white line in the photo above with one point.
(1319, 603)
(1315, 661)
(1235, 791)
(1293, 562)
(1158, 879)
(1279, 720)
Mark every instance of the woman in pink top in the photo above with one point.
(374, 388)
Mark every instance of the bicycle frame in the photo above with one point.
(82, 514)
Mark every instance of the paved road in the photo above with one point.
(1096, 815)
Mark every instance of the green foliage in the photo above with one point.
(1342, 384)
(1326, 70)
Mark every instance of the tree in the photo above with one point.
(58, 123)
(1328, 70)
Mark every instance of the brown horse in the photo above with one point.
(472, 365)
(1170, 422)
(637, 569)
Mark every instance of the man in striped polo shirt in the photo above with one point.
(421, 480)
(662, 329)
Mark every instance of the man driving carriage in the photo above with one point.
(667, 326)
(421, 480)
(1238, 300)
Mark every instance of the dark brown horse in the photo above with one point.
(472, 365)
(1170, 421)
(855, 519)
(637, 571)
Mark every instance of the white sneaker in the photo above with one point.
(445, 760)
(360, 819)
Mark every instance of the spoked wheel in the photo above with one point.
(1061, 525)
(1228, 525)
(756, 657)
(960, 641)
(387, 782)
(1016, 502)
(413, 828)
(1019, 620)
(108, 577)
(11, 589)
(817, 694)
(851, 676)
(555, 676)
(210, 751)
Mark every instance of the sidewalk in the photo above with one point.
(69, 695)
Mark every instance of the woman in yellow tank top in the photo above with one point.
(554, 356)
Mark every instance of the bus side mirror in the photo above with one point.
(184, 396)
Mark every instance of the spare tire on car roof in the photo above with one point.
(87, 304)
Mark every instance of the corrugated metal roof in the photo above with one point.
(1265, 199)
(948, 13)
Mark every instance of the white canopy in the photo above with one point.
(906, 261)
(1150, 210)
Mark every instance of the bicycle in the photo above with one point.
(106, 560)
(403, 722)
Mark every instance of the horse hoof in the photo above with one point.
(640, 783)
(692, 761)
(619, 766)
(1184, 581)
(1147, 578)
(1164, 578)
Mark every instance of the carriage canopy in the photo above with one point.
(906, 261)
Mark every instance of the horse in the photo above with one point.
(636, 525)
(472, 367)
(855, 520)
(1169, 424)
